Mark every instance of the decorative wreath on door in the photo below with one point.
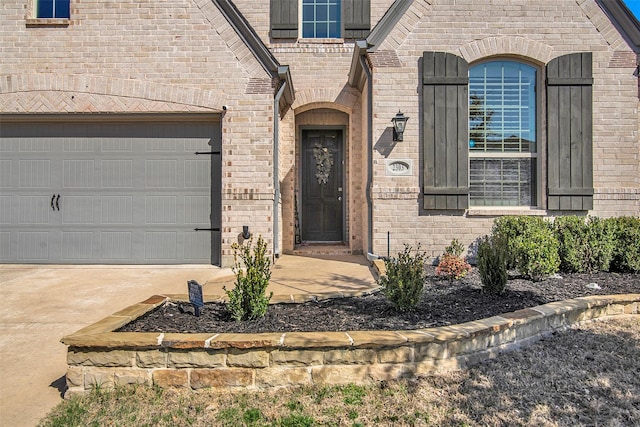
(324, 162)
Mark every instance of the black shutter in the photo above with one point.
(357, 18)
(284, 19)
(569, 133)
(445, 131)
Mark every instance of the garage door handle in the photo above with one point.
(57, 202)
(53, 207)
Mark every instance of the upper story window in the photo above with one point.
(321, 19)
(52, 9)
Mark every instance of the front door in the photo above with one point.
(322, 186)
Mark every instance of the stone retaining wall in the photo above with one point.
(99, 356)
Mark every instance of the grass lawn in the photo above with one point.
(588, 375)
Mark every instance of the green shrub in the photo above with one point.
(571, 232)
(537, 253)
(403, 283)
(626, 256)
(492, 264)
(531, 245)
(508, 228)
(600, 244)
(248, 299)
(586, 245)
(455, 248)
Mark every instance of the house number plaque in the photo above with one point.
(399, 167)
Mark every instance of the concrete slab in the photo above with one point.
(42, 303)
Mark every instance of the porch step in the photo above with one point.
(321, 249)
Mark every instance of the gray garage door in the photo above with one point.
(110, 192)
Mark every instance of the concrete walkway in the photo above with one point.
(42, 303)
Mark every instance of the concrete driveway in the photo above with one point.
(43, 303)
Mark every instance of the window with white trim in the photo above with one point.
(503, 147)
(52, 9)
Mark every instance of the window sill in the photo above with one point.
(510, 211)
(321, 41)
(48, 22)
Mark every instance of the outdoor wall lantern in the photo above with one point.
(399, 122)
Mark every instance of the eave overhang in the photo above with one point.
(259, 50)
(379, 33)
(624, 21)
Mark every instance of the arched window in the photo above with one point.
(503, 145)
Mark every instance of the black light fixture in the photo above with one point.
(399, 122)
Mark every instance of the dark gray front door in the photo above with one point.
(322, 186)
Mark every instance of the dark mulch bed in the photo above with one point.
(443, 303)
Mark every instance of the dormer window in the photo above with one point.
(52, 9)
(320, 19)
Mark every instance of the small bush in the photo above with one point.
(537, 253)
(452, 267)
(248, 299)
(455, 248)
(492, 265)
(507, 229)
(586, 245)
(403, 283)
(571, 232)
(600, 245)
(626, 255)
(531, 245)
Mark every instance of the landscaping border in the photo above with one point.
(98, 356)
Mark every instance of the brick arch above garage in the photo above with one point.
(72, 93)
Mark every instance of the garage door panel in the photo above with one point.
(33, 246)
(161, 173)
(116, 173)
(35, 209)
(161, 210)
(129, 192)
(117, 209)
(161, 246)
(196, 210)
(35, 173)
(5, 210)
(77, 209)
(77, 245)
(6, 176)
(197, 246)
(78, 173)
(5, 246)
(116, 245)
(197, 173)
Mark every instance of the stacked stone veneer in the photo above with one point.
(99, 356)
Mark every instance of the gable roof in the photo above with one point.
(624, 21)
(380, 32)
(259, 50)
(621, 17)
